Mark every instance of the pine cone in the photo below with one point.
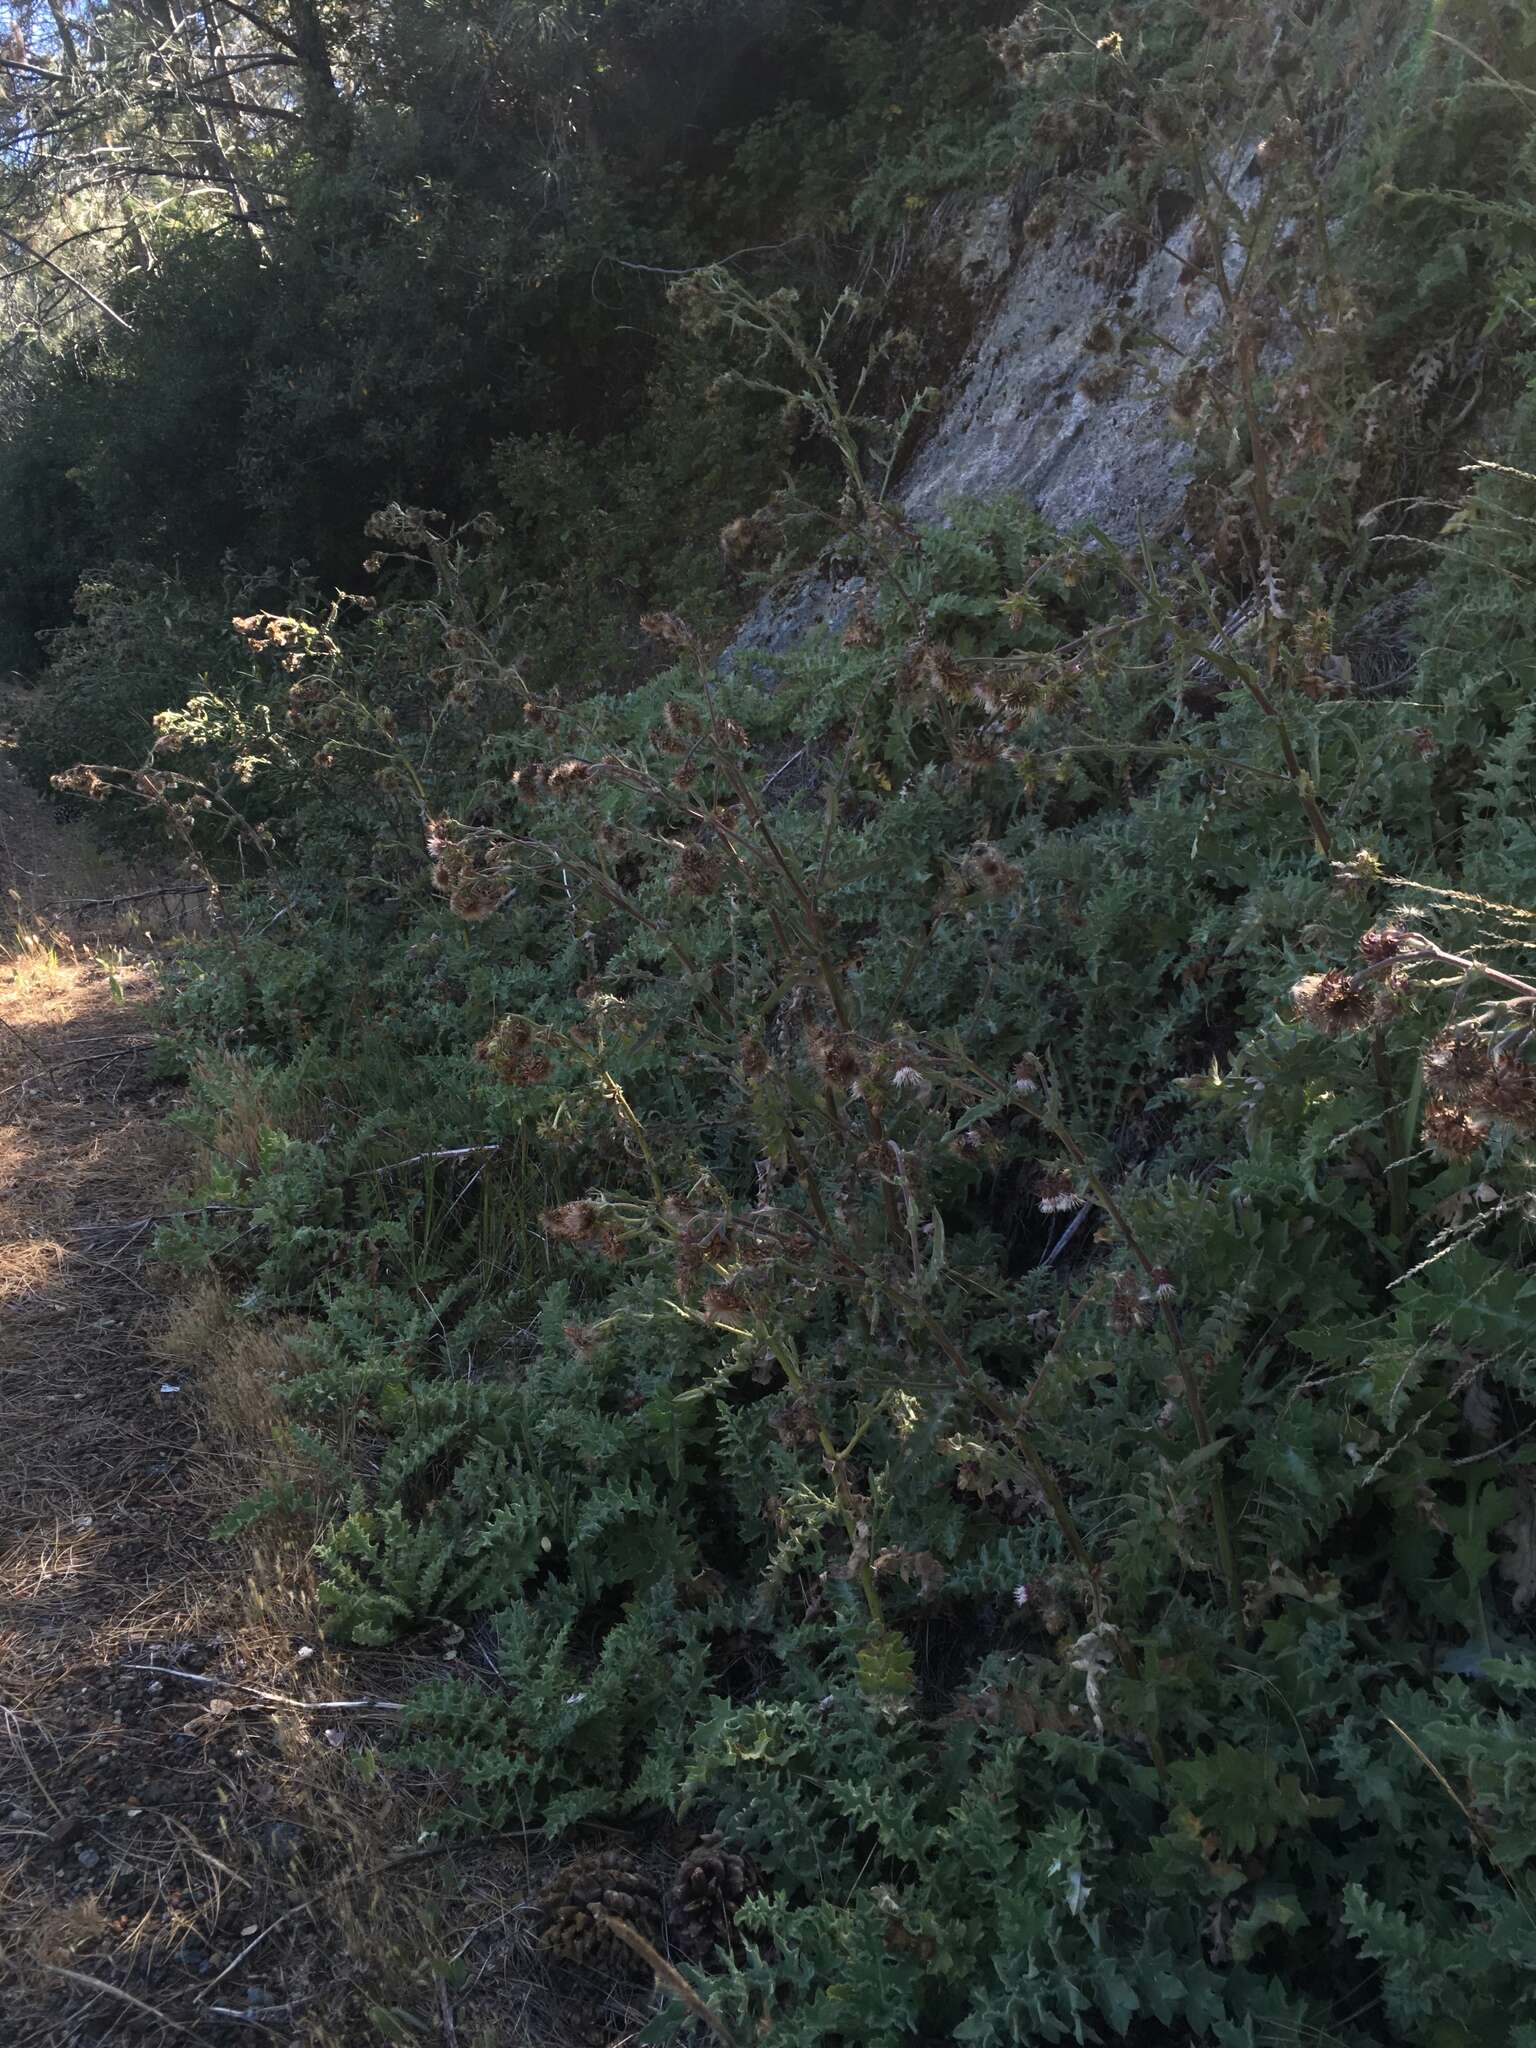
(576, 1897)
(711, 1883)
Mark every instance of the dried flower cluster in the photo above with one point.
(470, 872)
(1337, 1003)
(512, 1052)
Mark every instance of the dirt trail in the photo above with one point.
(152, 1828)
(188, 1852)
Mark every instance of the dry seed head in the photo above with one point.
(834, 1057)
(1509, 1093)
(863, 629)
(506, 1045)
(478, 898)
(1057, 1195)
(755, 1063)
(1285, 145)
(911, 1081)
(1360, 872)
(1450, 1132)
(1334, 1003)
(1159, 1285)
(668, 628)
(572, 1222)
(697, 873)
(1381, 942)
(569, 776)
(935, 668)
(681, 719)
(725, 1298)
(1457, 1066)
(985, 868)
(398, 525)
(83, 781)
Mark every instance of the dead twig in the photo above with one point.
(138, 896)
(428, 1158)
(114, 1991)
(272, 1699)
(445, 2015)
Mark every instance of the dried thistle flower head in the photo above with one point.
(863, 629)
(1382, 942)
(1362, 871)
(912, 1081)
(1028, 1075)
(1057, 1194)
(668, 628)
(1450, 1132)
(477, 898)
(986, 869)
(936, 669)
(697, 873)
(83, 780)
(754, 1059)
(1284, 145)
(509, 1051)
(1509, 1093)
(1457, 1066)
(833, 1056)
(681, 719)
(1334, 1003)
(567, 776)
(402, 526)
(573, 1222)
(725, 1298)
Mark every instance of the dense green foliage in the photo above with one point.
(931, 1260)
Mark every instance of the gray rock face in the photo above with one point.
(812, 603)
(1019, 421)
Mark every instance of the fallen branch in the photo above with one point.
(272, 1699)
(138, 896)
